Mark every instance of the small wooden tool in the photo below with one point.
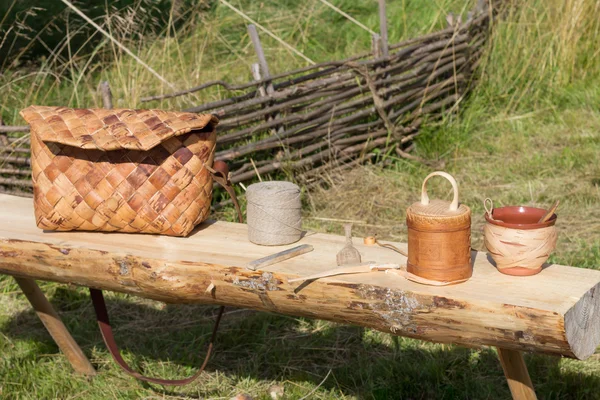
(281, 256)
(359, 268)
(349, 254)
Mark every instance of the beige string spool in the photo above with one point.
(519, 250)
(274, 213)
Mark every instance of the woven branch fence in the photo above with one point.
(325, 118)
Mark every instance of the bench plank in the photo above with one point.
(557, 311)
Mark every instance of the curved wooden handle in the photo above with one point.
(425, 198)
(489, 209)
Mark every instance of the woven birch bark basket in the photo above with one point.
(517, 241)
(519, 249)
(121, 170)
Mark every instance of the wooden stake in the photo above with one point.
(255, 68)
(264, 71)
(516, 374)
(55, 326)
(450, 20)
(384, 35)
(262, 61)
(383, 28)
(106, 95)
(376, 45)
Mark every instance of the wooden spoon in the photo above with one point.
(549, 213)
(349, 254)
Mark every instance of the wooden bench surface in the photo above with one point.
(556, 311)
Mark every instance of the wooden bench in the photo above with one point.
(556, 312)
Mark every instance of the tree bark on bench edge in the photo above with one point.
(574, 333)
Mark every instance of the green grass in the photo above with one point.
(528, 134)
(213, 45)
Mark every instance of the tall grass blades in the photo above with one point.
(540, 47)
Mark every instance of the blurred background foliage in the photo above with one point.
(32, 31)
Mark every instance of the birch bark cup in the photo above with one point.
(517, 243)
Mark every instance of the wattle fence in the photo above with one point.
(327, 117)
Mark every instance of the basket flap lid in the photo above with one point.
(102, 129)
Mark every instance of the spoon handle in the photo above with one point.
(550, 213)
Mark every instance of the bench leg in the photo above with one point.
(55, 326)
(516, 374)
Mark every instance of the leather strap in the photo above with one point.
(111, 344)
(220, 174)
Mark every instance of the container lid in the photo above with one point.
(438, 208)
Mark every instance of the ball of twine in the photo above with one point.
(274, 213)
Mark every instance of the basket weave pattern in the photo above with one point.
(120, 170)
(525, 248)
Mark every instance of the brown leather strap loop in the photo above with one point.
(220, 174)
(111, 344)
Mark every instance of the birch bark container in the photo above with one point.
(517, 242)
(439, 237)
